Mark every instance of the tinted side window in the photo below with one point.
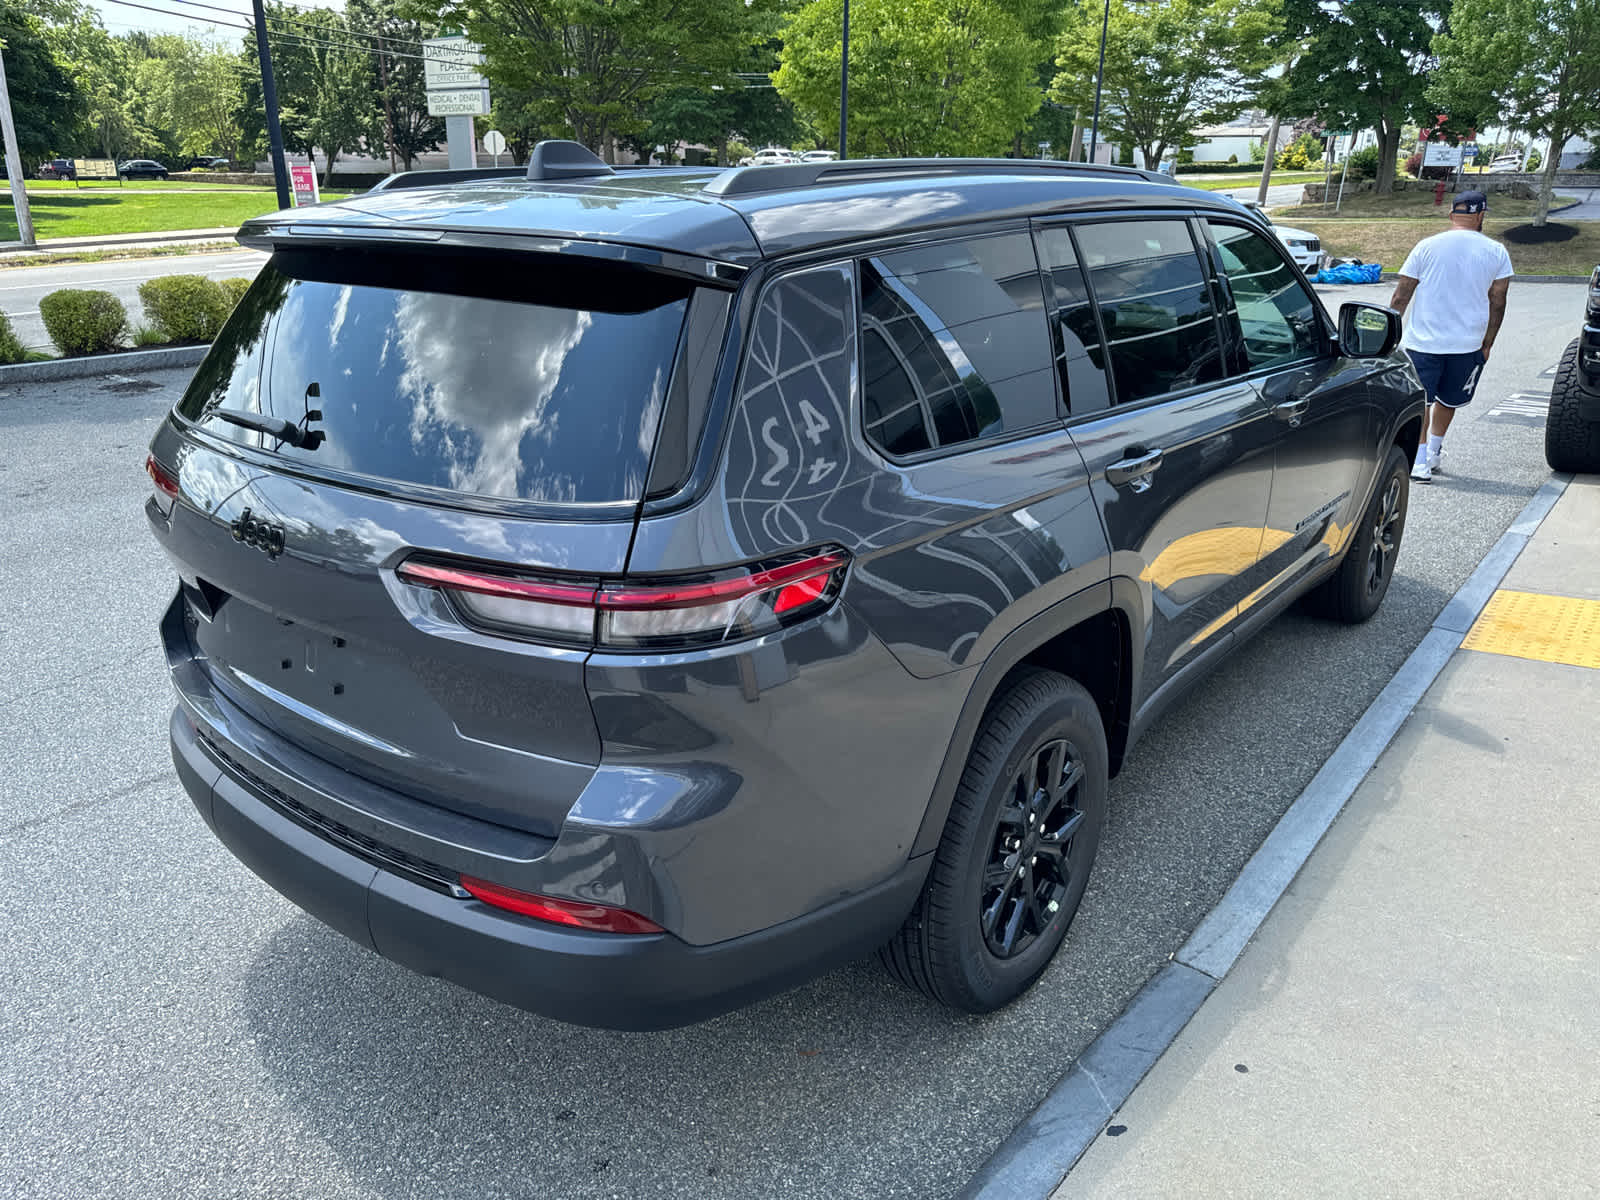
(954, 346)
(1275, 317)
(1080, 358)
(1155, 305)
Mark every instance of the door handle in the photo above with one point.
(1135, 470)
(1291, 410)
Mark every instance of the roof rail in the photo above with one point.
(416, 179)
(743, 181)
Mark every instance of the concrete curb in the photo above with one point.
(102, 364)
(1041, 1151)
(117, 241)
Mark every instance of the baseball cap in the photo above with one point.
(1470, 202)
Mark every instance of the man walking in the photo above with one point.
(1455, 283)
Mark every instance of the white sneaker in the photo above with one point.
(1422, 472)
(1433, 462)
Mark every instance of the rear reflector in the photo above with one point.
(740, 604)
(601, 918)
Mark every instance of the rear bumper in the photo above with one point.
(654, 981)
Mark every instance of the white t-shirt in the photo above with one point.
(1449, 314)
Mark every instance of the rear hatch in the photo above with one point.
(500, 409)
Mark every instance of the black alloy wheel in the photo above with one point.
(1386, 525)
(1030, 868)
(1014, 858)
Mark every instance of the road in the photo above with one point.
(1588, 208)
(21, 288)
(172, 1027)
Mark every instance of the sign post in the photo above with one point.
(495, 143)
(303, 181)
(457, 91)
(19, 186)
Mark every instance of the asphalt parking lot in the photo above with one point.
(172, 1027)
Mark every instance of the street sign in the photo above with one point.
(461, 102)
(1469, 152)
(94, 168)
(449, 63)
(303, 183)
(494, 142)
(1437, 154)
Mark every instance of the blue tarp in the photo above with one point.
(1351, 273)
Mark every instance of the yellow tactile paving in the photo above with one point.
(1544, 628)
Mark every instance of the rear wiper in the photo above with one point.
(284, 431)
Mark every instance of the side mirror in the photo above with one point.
(1368, 330)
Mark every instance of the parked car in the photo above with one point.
(142, 168)
(1303, 246)
(58, 168)
(1572, 426)
(206, 162)
(631, 643)
(771, 156)
(1504, 163)
(819, 156)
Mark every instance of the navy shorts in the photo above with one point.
(1449, 378)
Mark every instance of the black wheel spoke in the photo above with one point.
(998, 875)
(991, 913)
(1060, 837)
(1013, 927)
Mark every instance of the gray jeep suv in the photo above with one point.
(628, 594)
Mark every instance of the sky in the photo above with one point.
(120, 18)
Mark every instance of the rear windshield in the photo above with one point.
(499, 377)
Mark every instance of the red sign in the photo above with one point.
(303, 182)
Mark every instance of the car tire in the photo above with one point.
(1025, 821)
(1356, 590)
(1571, 441)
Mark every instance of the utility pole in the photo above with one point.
(1266, 167)
(19, 185)
(844, 81)
(269, 98)
(1099, 81)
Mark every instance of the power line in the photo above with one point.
(305, 28)
(281, 34)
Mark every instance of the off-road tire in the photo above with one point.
(1571, 443)
(1352, 594)
(942, 949)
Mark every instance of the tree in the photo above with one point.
(1534, 63)
(192, 88)
(325, 76)
(927, 77)
(400, 117)
(1366, 66)
(1171, 66)
(46, 104)
(111, 112)
(592, 68)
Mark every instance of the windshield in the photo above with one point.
(509, 390)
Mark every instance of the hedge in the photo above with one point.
(83, 322)
(236, 287)
(11, 348)
(186, 308)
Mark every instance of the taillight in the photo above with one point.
(652, 614)
(601, 918)
(166, 493)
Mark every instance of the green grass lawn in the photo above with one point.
(1388, 242)
(1224, 183)
(186, 182)
(1367, 206)
(87, 214)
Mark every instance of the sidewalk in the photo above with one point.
(1420, 1013)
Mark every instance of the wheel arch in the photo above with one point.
(1088, 637)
